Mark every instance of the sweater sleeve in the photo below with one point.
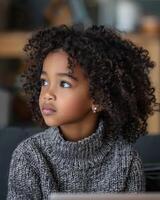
(136, 178)
(23, 180)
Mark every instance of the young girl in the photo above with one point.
(91, 89)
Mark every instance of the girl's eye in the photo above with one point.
(43, 82)
(65, 84)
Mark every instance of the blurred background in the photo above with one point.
(138, 19)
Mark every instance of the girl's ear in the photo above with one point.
(96, 107)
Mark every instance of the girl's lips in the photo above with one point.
(48, 111)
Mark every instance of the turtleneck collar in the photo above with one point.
(85, 148)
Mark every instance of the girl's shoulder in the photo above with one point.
(123, 148)
(37, 141)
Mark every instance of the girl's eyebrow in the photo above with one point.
(68, 75)
(62, 74)
(43, 73)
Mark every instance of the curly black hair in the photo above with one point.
(117, 70)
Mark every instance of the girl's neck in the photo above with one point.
(80, 129)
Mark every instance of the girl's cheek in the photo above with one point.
(40, 98)
(74, 104)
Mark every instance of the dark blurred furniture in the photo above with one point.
(147, 146)
(149, 150)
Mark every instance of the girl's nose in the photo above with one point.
(49, 96)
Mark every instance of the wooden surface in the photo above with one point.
(12, 43)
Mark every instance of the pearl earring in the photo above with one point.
(94, 109)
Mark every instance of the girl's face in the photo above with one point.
(63, 99)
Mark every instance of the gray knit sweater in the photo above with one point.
(46, 163)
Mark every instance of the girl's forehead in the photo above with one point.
(56, 59)
(57, 62)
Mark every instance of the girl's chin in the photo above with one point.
(51, 122)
